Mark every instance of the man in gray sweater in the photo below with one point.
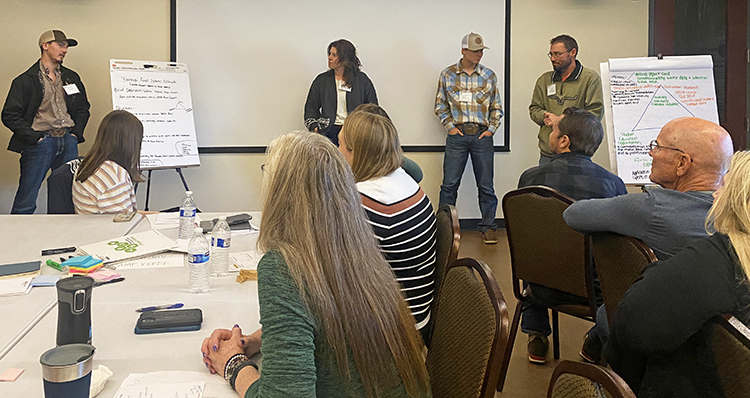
(689, 159)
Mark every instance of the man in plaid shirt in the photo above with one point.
(575, 136)
(468, 105)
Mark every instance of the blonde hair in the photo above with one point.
(730, 213)
(313, 216)
(374, 142)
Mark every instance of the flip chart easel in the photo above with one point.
(642, 94)
(158, 94)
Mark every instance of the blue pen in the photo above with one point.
(160, 307)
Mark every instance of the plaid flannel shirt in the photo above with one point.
(484, 108)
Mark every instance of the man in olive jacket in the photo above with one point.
(568, 84)
(47, 111)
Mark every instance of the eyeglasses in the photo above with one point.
(557, 54)
(653, 145)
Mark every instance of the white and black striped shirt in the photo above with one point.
(404, 223)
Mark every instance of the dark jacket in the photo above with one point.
(24, 99)
(321, 100)
(658, 343)
(575, 175)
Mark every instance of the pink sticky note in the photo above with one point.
(10, 374)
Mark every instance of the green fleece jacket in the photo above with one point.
(297, 359)
(582, 89)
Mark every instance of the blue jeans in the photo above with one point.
(333, 134)
(535, 318)
(36, 161)
(457, 150)
(600, 331)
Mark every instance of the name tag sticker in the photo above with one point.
(343, 87)
(71, 89)
(552, 89)
(464, 96)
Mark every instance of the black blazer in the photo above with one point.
(321, 100)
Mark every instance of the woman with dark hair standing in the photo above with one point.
(337, 92)
(104, 180)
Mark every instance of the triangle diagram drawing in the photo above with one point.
(662, 108)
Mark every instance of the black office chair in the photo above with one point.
(60, 188)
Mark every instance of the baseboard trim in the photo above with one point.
(471, 223)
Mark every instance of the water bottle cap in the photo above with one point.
(222, 218)
(188, 192)
(198, 230)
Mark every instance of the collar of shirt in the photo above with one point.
(45, 71)
(479, 70)
(557, 76)
(571, 154)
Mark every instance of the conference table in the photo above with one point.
(113, 315)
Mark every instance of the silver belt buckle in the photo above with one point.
(471, 128)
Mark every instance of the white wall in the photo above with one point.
(105, 29)
(139, 29)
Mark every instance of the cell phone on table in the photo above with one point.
(123, 217)
(169, 321)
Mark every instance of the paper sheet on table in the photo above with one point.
(12, 287)
(244, 260)
(167, 220)
(162, 260)
(156, 382)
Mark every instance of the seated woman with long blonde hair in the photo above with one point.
(333, 320)
(400, 213)
(104, 180)
(658, 343)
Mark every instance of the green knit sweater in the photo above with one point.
(582, 89)
(297, 360)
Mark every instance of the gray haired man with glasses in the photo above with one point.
(689, 159)
(568, 84)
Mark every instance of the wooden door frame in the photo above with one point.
(661, 37)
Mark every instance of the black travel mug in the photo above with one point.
(74, 310)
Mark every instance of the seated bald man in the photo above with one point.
(689, 159)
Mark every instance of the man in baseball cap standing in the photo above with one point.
(47, 110)
(468, 105)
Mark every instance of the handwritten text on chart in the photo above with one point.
(160, 97)
(643, 101)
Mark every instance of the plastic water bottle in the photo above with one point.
(187, 217)
(198, 256)
(221, 237)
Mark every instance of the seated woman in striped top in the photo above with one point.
(104, 180)
(400, 213)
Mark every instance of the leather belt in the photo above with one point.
(472, 128)
(58, 132)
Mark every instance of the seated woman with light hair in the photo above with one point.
(658, 344)
(334, 323)
(400, 213)
(104, 180)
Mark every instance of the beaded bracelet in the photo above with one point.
(233, 362)
(236, 371)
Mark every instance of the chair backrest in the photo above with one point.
(470, 333)
(730, 343)
(448, 239)
(619, 260)
(584, 380)
(60, 188)
(543, 249)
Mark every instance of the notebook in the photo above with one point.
(129, 246)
